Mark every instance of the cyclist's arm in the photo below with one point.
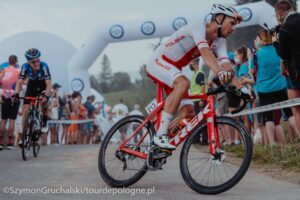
(210, 59)
(48, 87)
(235, 81)
(21, 81)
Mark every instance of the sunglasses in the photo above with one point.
(35, 61)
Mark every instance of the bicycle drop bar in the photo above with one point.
(229, 89)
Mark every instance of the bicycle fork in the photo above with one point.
(212, 129)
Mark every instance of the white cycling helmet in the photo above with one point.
(226, 10)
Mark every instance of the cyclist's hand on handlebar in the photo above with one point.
(45, 98)
(225, 77)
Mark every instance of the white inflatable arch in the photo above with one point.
(254, 14)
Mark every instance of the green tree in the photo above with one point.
(120, 81)
(145, 87)
(95, 83)
(105, 76)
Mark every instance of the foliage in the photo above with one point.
(272, 2)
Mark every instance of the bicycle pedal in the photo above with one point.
(166, 150)
(161, 155)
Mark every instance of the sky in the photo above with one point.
(75, 20)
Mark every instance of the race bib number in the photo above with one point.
(151, 106)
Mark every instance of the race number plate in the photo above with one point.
(151, 106)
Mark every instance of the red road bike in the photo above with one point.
(207, 165)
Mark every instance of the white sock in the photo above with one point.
(166, 118)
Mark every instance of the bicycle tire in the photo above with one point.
(101, 158)
(26, 140)
(211, 190)
(35, 145)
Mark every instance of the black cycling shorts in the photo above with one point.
(274, 97)
(9, 110)
(34, 88)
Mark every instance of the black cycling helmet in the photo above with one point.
(32, 54)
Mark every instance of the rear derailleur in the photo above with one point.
(122, 156)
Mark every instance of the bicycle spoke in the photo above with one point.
(213, 172)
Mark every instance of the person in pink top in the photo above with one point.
(9, 78)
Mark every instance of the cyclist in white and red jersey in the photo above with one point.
(190, 42)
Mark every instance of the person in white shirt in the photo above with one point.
(136, 110)
(120, 111)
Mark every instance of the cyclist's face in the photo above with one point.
(35, 64)
(228, 26)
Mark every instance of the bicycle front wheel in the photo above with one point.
(121, 169)
(26, 141)
(213, 174)
(36, 143)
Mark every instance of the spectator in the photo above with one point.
(81, 127)
(74, 113)
(54, 113)
(120, 111)
(270, 82)
(9, 109)
(19, 126)
(91, 111)
(241, 69)
(65, 116)
(287, 45)
(136, 111)
(259, 134)
(197, 84)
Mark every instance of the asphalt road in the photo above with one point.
(71, 172)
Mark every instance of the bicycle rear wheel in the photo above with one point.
(117, 168)
(213, 174)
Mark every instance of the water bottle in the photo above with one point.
(179, 127)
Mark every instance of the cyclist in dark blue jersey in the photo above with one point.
(39, 80)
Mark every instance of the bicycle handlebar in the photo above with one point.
(31, 98)
(229, 89)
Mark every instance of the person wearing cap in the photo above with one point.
(9, 78)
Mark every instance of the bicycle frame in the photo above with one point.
(34, 105)
(207, 114)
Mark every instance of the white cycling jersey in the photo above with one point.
(179, 50)
(183, 46)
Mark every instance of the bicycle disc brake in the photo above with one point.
(219, 157)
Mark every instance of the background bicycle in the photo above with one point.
(32, 129)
